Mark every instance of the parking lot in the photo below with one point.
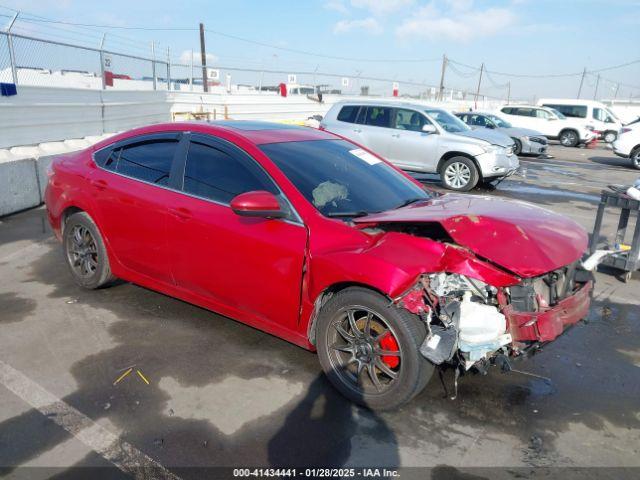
(206, 391)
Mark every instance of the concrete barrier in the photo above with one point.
(19, 188)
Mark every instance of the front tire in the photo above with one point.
(610, 136)
(569, 138)
(635, 158)
(85, 252)
(369, 349)
(517, 147)
(459, 174)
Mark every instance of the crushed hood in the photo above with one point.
(488, 135)
(522, 238)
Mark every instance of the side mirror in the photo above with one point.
(428, 128)
(258, 203)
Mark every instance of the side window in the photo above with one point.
(508, 110)
(478, 120)
(213, 174)
(361, 115)
(525, 112)
(409, 120)
(149, 161)
(348, 114)
(378, 117)
(464, 118)
(542, 114)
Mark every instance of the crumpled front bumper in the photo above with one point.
(547, 325)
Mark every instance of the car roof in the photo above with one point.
(387, 103)
(256, 132)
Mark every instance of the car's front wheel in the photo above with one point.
(635, 158)
(517, 147)
(369, 349)
(85, 252)
(569, 138)
(459, 173)
(610, 136)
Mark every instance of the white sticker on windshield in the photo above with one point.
(366, 156)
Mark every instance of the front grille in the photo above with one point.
(540, 140)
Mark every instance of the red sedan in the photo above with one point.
(316, 240)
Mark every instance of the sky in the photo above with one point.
(373, 38)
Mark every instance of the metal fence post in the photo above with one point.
(168, 69)
(12, 54)
(153, 64)
(191, 76)
(104, 86)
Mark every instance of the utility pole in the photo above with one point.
(203, 58)
(595, 94)
(584, 74)
(615, 95)
(12, 55)
(508, 93)
(444, 67)
(475, 100)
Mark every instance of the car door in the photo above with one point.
(411, 148)
(375, 128)
(250, 265)
(546, 123)
(131, 192)
(345, 123)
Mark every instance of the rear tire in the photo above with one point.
(610, 136)
(85, 252)
(517, 148)
(342, 350)
(459, 174)
(569, 138)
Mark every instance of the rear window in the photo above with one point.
(149, 161)
(508, 110)
(348, 113)
(574, 111)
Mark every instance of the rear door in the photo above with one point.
(132, 189)
(411, 148)
(376, 131)
(252, 266)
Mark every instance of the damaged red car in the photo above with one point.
(316, 240)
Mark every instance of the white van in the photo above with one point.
(605, 122)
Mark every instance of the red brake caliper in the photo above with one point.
(388, 342)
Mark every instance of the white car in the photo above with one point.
(627, 145)
(571, 132)
(597, 114)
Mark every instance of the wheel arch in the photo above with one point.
(452, 154)
(325, 295)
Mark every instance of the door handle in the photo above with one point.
(395, 135)
(357, 130)
(99, 184)
(181, 213)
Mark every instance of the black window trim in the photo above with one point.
(178, 164)
(179, 136)
(230, 149)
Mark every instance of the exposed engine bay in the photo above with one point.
(470, 322)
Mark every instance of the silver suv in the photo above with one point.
(424, 139)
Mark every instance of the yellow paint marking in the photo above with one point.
(142, 377)
(123, 375)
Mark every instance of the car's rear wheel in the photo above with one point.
(569, 138)
(85, 252)
(459, 173)
(369, 349)
(610, 136)
(635, 158)
(517, 147)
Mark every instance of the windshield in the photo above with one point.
(499, 122)
(342, 180)
(448, 122)
(558, 114)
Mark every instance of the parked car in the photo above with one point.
(627, 145)
(318, 241)
(425, 139)
(526, 141)
(554, 125)
(605, 122)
